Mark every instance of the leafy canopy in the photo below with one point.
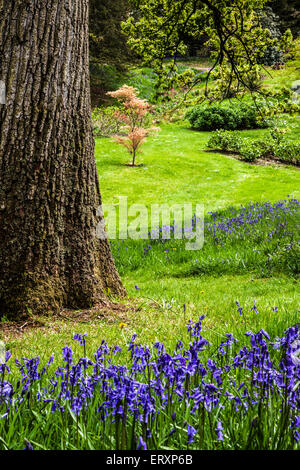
(237, 38)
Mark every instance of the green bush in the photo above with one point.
(275, 146)
(287, 151)
(232, 141)
(144, 80)
(105, 123)
(251, 150)
(232, 116)
(226, 140)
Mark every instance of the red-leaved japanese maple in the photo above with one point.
(133, 114)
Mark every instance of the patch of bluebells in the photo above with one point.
(152, 396)
(254, 231)
(248, 220)
(242, 223)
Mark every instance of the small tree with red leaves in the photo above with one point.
(134, 114)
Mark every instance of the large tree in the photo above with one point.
(50, 255)
(107, 40)
(289, 13)
(237, 38)
(109, 52)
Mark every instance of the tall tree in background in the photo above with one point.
(107, 40)
(109, 52)
(50, 255)
(289, 13)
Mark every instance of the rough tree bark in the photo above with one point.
(50, 256)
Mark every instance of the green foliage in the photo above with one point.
(288, 12)
(275, 103)
(286, 259)
(230, 116)
(226, 140)
(232, 141)
(236, 37)
(247, 114)
(283, 50)
(144, 80)
(109, 53)
(104, 77)
(105, 122)
(107, 41)
(287, 152)
(251, 150)
(274, 146)
(272, 56)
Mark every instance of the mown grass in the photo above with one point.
(178, 168)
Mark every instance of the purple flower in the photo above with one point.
(80, 338)
(67, 355)
(142, 444)
(28, 445)
(191, 431)
(51, 359)
(254, 307)
(7, 355)
(240, 309)
(219, 432)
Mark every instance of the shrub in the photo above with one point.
(226, 140)
(134, 116)
(287, 152)
(232, 141)
(275, 146)
(250, 151)
(105, 122)
(229, 117)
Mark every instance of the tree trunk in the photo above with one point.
(50, 256)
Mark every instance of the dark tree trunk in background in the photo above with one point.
(50, 256)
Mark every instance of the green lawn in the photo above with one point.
(176, 169)
(283, 77)
(253, 267)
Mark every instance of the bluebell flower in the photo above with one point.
(28, 445)
(142, 444)
(191, 431)
(219, 432)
